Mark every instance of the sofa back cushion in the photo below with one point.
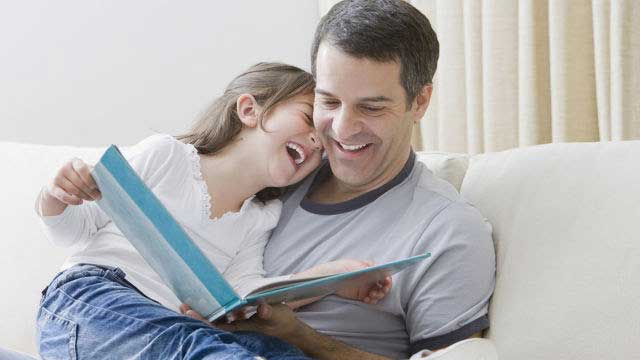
(29, 261)
(447, 166)
(566, 220)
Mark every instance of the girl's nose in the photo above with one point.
(315, 141)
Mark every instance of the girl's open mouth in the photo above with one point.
(296, 153)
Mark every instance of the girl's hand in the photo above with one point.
(72, 185)
(368, 293)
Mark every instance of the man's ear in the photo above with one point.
(248, 110)
(421, 102)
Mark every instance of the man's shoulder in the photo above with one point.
(437, 203)
(427, 184)
(429, 193)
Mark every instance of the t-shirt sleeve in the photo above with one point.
(149, 158)
(448, 298)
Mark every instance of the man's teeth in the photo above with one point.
(300, 152)
(352, 147)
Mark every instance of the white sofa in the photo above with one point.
(566, 221)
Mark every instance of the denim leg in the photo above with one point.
(90, 312)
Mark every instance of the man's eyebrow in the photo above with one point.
(365, 99)
(324, 92)
(376, 99)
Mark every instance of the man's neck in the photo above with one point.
(332, 190)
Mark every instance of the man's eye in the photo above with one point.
(330, 103)
(371, 108)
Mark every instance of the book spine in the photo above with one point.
(156, 235)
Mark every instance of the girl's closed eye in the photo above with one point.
(308, 118)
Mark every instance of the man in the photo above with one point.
(374, 62)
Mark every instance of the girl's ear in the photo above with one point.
(248, 110)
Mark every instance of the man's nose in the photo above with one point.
(345, 124)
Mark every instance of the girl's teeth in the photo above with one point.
(300, 152)
(352, 147)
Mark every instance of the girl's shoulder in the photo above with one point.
(157, 143)
(268, 212)
(162, 146)
(158, 155)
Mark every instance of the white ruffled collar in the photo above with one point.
(205, 197)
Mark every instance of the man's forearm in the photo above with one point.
(319, 346)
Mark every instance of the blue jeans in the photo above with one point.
(92, 312)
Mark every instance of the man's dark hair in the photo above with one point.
(383, 30)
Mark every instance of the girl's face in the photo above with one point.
(289, 143)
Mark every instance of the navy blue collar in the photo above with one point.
(355, 203)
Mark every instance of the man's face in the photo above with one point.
(361, 117)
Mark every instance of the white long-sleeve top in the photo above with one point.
(234, 243)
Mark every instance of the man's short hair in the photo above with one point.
(383, 30)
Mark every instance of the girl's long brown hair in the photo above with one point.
(270, 84)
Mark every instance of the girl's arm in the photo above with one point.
(67, 205)
(246, 273)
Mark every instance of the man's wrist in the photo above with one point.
(319, 346)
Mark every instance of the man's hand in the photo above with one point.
(281, 322)
(273, 320)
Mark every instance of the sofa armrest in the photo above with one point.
(470, 349)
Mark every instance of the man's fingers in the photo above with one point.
(195, 315)
(265, 312)
(184, 308)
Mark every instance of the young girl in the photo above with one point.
(221, 182)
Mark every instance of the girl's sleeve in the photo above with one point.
(75, 224)
(150, 158)
(246, 271)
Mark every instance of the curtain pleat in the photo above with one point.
(473, 76)
(534, 91)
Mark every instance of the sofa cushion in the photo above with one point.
(566, 221)
(29, 261)
(447, 166)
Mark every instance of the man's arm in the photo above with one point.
(281, 322)
(313, 343)
(319, 346)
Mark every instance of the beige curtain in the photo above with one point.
(523, 72)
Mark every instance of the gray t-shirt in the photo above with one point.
(431, 305)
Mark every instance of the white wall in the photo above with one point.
(90, 72)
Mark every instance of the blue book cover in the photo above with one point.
(169, 250)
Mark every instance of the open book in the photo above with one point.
(169, 250)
